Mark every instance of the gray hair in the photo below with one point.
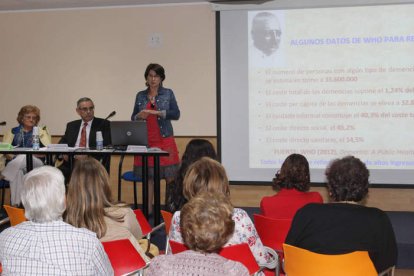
(83, 99)
(43, 194)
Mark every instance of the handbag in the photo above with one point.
(151, 250)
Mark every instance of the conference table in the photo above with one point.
(71, 152)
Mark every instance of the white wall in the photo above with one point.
(52, 58)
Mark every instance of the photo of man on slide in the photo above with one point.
(266, 34)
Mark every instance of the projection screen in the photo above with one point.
(323, 82)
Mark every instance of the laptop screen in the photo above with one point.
(124, 133)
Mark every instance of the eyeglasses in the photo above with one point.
(30, 117)
(86, 109)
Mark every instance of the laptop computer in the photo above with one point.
(124, 133)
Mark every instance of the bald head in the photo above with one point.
(266, 32)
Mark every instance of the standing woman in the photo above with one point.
(158, 106)
(21, 136)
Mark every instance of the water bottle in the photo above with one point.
(99, 140)
(35, 138)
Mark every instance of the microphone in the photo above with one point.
(5, 123)
(112, 114)
(100, 128)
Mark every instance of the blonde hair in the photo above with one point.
(203, 175)
(88, 196)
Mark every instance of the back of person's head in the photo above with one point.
(198, 148)
(347, 179)
(88, 194)
(206, 222)
(294, 174)
(204, 175)
(43, 194)
(195, 149)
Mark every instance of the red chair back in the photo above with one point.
(272, 231)
(123, 256)
(143, 222)
(167, 217)
(241, 253)
(177, 247)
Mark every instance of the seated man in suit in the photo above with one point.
(82, 133)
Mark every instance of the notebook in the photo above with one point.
(124, 133)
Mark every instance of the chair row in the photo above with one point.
(125, 259)
(239, 252)
(298, 261)
(121, 253)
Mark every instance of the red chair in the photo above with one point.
(123, 257)
(167, 217)
(239, 252)
(146, 227)
(177, 247)
(272, 232)
(143, 223)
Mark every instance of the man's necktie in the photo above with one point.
(82, 142)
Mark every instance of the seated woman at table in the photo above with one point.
(90, 205)
(206, 225)
(209, 175)
(194, 150)
(292, 184)
(21, 136)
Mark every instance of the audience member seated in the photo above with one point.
(344, 225)
(45, 245)
(209, 175)
(22, 136)
(292, 184)
(90, 205)
(195, 149)
(206, 225)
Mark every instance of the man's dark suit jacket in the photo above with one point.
(71, 135)
(98, 124)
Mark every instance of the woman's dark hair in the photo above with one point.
(294, 174)
(158, 69)
(347, 179)
(195, 150)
